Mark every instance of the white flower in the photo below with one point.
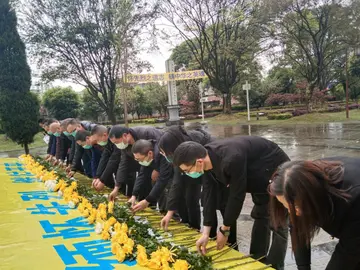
(60, 193)
(71, 204)
(151, 232)
(112, 232)
(99, 228)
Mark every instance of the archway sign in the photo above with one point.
(170, 77)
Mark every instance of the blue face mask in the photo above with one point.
(66, 133)
(194, 174)
(87, 146)
(73, 133)
(50, 133)
(57, 134)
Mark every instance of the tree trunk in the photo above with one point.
(227, 104)
(111, 116)
(26, 148)
(309, 94)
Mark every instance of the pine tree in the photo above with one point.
(19, 108)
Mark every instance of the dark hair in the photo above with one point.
(309, 186)
(142, 147)
(64, 123)
(99, 129)
(172, 138)
(74, 121)
(117, 131)
(41, 121)
(81, 135)
(188, 152)
(49, 121)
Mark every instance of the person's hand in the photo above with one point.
(202, 243)
(49, 157)
(55, 162)
(221, 240)
(132, 201)
(154, 175)
(68, 169)
(113, 194)
(140, 206)
(164, 223)
(70, 174)
(97, 184)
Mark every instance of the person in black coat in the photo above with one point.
(83, 138)
(51, 145)
(318, 194)
(124, 138)
(184, 193)
(245, 165)
(80, 154)
(147, 153)
(110, 158)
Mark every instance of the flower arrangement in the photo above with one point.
(132, 238)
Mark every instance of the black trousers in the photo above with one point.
(189, 209)
(86, 163)
(261, 232)
(127, 187)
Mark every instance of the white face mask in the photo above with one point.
(121, 145)
(145, 163)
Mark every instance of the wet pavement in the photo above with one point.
(299, 142)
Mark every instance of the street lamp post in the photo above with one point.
(247, 87)
(347, 85)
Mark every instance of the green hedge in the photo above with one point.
(280, 116)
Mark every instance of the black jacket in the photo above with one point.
(128, 163)
(165, 170)
(50, 144)
(109, 162)
(344, 222)
(65, 145)
(73, 148)
(244, 164)
(79, 150)
(175, 195)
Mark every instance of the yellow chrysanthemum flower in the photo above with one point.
(111, 207)
(181, 265)
(120, 255)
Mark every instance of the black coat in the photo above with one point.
(165, 170)
(50, 144)
(244, 164)
(344, 222)
(65, 145)
(79, 150)
(109, 162)
(128, 163)
(180, 180)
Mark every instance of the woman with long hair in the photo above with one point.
(319, 194)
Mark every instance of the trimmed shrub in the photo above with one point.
(299, 112)
(280, 116)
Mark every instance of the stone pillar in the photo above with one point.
(173, 106)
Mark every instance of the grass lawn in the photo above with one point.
(8, 145)
(313, 118)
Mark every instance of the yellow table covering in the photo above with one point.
(40, 231)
